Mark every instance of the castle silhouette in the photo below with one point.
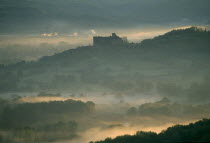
(112, 40)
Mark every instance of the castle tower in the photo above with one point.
(112, 40)
(114, 35)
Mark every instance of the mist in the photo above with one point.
(104, 71)
(106, 117)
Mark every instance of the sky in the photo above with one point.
(30, 23)
(68, 16)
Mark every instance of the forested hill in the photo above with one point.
(192, 133)
(180, 37)
(113, 69)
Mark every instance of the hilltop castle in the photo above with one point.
(112, 40)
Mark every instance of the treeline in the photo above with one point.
(40, 133)
(19, 115)
(165, 107)
(180, 38)
(41, 122)
(194, 132)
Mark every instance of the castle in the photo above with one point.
(113, 40)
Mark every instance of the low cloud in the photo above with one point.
(49, 34)
(75, 34)
(93, 31)
(145, 35)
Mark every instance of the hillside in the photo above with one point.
(132, 69)
(194, 132)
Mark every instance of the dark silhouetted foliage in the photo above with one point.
(194, 132)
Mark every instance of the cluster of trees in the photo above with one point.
(41, 122)
(194, 132)
(165, 107)
(28, 113)
(40, 133)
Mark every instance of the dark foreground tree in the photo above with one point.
(194, 132)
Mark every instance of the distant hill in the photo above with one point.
(180, 38)
(192, 133)
(177, 57)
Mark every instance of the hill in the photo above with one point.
(131, 69)
(194, 132)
